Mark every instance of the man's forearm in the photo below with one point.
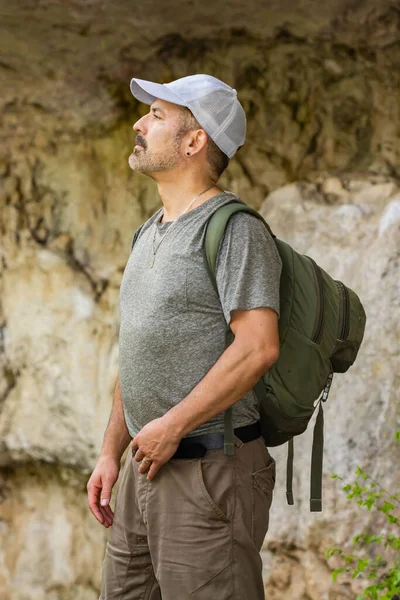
(233, 375)
(116, 437)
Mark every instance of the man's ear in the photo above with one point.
(198, 141)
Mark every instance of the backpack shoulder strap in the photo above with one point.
(215, 231)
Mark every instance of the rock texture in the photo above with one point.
(351, 227)
(50, 547)
(320, 85)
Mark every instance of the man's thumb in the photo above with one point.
(105, 495)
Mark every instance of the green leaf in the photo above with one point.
(377, 538)
(393, 542)
(397, 436)
(362, 564)
(332, 551)
(396, 577)
(392, 519)
(370, 501)
(336, 572)
(387, 506)
(357, 489)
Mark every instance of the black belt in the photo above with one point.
(197, 445)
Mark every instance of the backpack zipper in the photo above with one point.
(345, 325)
(319, 322)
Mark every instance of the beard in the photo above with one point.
(146, 161)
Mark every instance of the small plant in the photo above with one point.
(383, 573)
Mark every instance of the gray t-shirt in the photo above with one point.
(172, 328)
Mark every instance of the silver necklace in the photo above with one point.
(155, 250)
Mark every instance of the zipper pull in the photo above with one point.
(327, 387)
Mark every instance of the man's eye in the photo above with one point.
(155, 116)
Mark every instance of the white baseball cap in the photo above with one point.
(213, 103)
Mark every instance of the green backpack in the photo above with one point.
(321, 327)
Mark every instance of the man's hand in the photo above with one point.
(99, 489)
(155, 443)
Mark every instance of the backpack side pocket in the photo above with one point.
(351, 327)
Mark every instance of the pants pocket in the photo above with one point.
(263, 483)
(217, 483)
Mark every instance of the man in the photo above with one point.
(189, 520)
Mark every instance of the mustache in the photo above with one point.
(141, 141)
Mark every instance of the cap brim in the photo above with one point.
(148, 92)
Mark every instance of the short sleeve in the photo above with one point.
(248, 266)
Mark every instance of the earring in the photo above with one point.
(187, 153)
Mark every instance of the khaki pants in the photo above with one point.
(194, 531)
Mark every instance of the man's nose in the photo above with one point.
(139, 126)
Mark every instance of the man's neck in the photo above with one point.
(176, 198)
